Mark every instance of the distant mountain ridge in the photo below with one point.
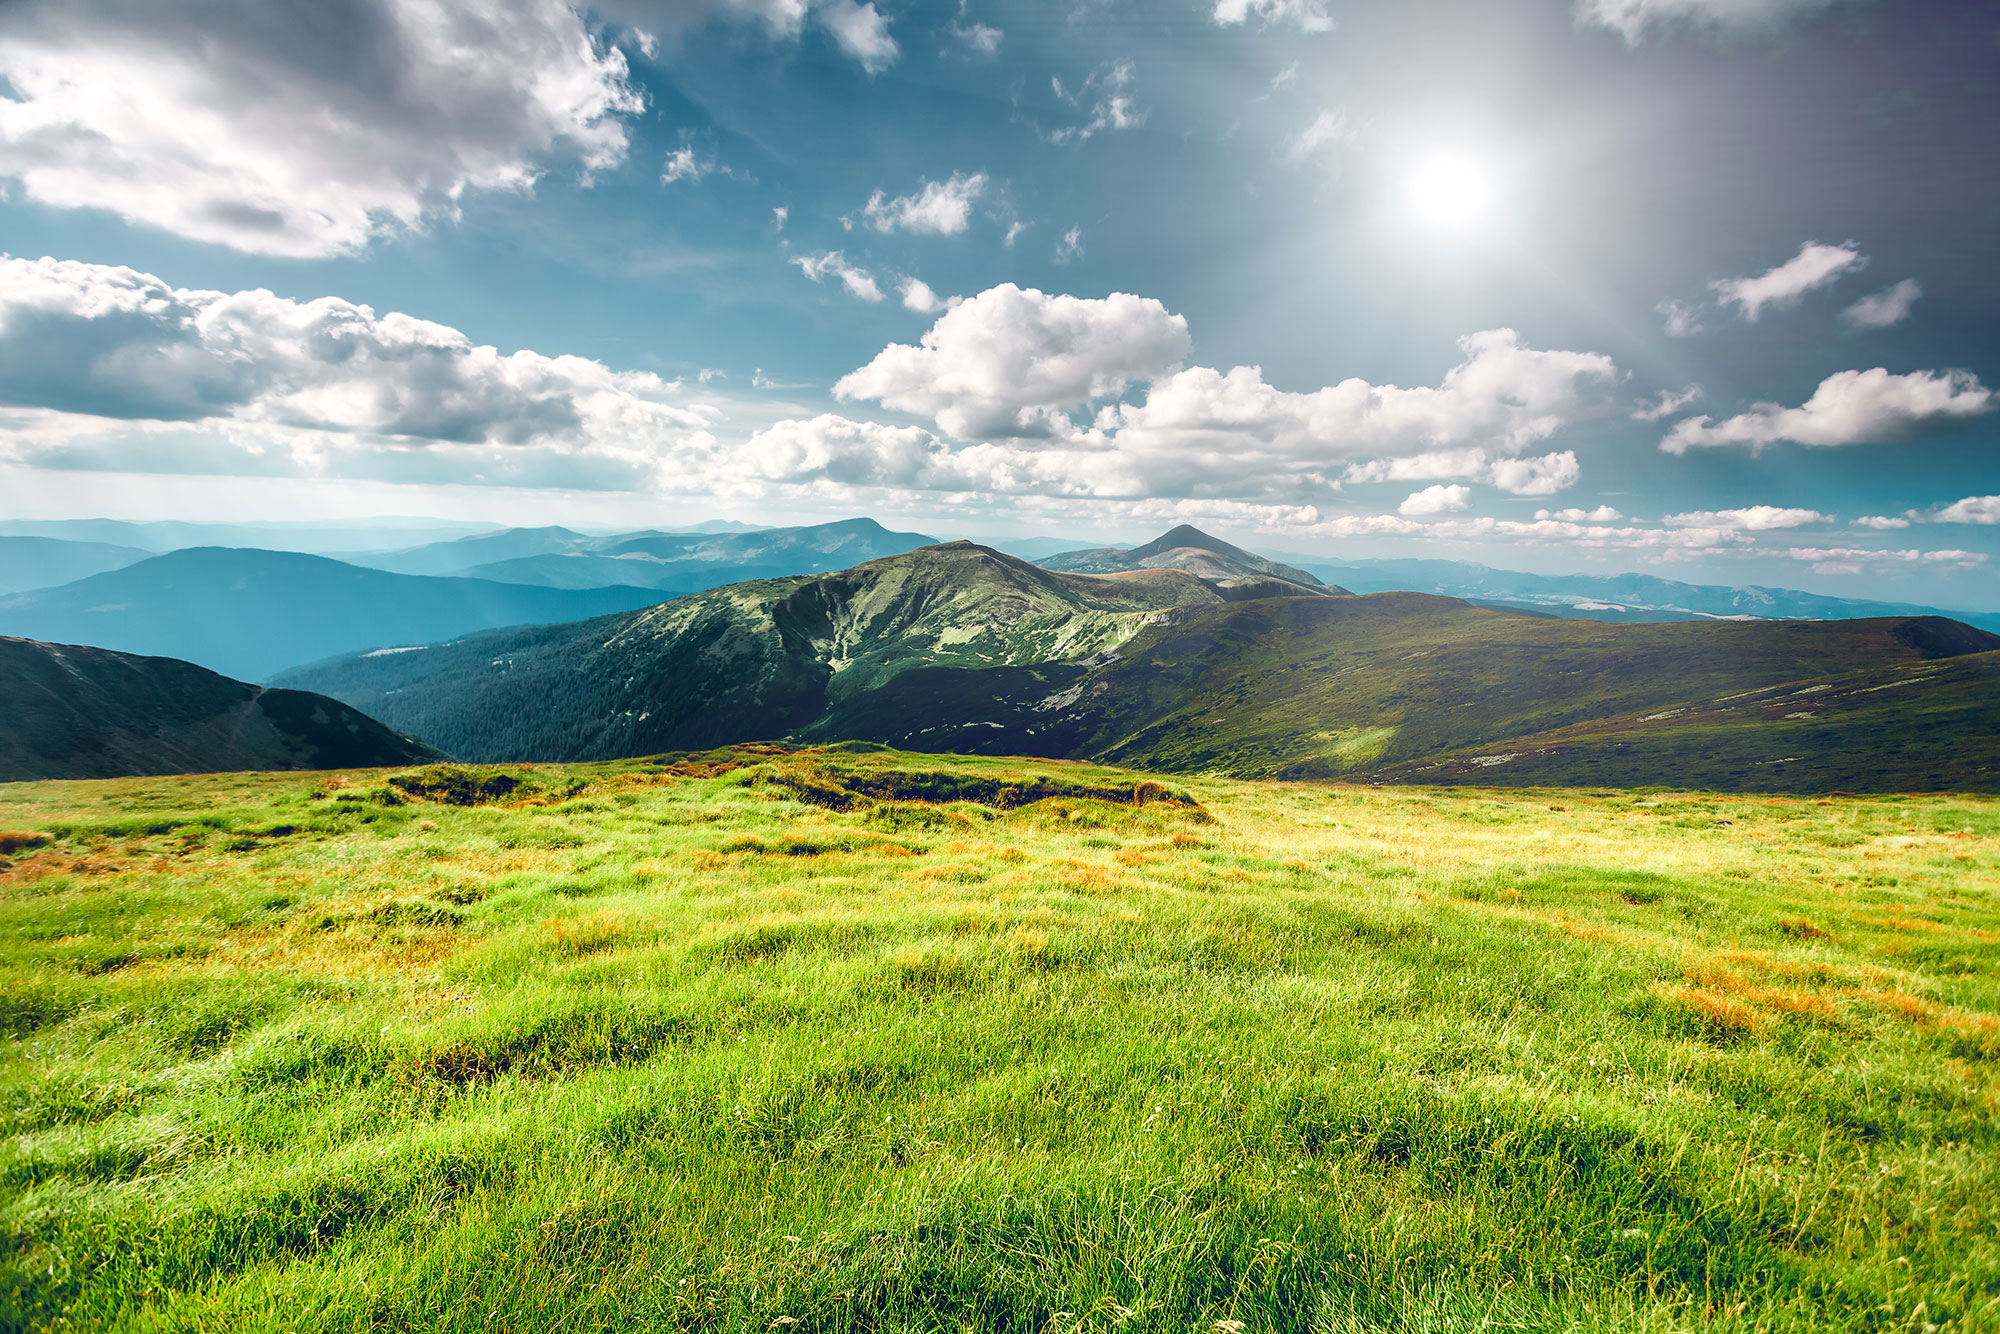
(956, 647)
(44, 562)
(248, 613)
(679, 562)
(1185, 548)
(68, 711)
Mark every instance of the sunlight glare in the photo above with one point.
(1453, 193)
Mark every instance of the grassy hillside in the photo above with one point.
(1407, 687)
(842, 1041)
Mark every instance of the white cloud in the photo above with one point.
(988, 365)
(225, 123)
(1683, 320)
(860, 32)
(1880, 310)
(1108, 93)
(1850, 559)
(1305, 15)
(1753, 519)
(778, 216)
(1070, 248)
(1635, 18)
(1881, 522)
(1014, 230)
(1849, 408)
(1541, 476)
(1438, 499)
(978, 39)
(1327, 128)
(85, 342)
(1665, 404)
(938, 208)
(1285, 77)
(918, 296)
(684, 165)
(1815, 266)
(833, 264)
(1602, 514)
(1973, 509)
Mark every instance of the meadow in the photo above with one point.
(852, 1039)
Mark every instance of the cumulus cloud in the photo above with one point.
(1438, 499)
(219, 122)
(1602, 514)
(1665, 404)
(1635, 18)
(860, 32)
(1850, 408)
(938, 208)
(1880, 310)
(918, 296)
(1881, 522)
(833, 264)
(95, 341)
(1753, 519)
(993, 362)
(1815, 266)
(1107, 96)
(1973, 509)
(1851, 560)
(1305, 15)
(1541, 476)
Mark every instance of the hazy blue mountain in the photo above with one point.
(68, 711)
(327, 537)
(1613, 597)
(248, 613)
(43, 562)
(669, 561)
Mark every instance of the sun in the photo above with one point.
(1451, 192)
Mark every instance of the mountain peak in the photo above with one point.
(1182, 536)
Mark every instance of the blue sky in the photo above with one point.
(1703, 287)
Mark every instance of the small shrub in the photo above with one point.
(16, 840)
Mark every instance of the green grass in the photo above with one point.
(863, 1040)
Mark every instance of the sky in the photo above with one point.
(1706, 288)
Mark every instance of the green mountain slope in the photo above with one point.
(250, 613)
(1410, 687)
(72, 712)
(751, 660)
(959, 648)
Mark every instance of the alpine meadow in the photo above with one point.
(999, 667)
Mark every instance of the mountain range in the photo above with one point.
(76, 712)
(958, 647)
(679, 562)
(1185, 548)
(249, 613)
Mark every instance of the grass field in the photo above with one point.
(839, 1040)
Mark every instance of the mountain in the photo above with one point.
(73, 712)
(680, 562)
(1614, 597)
(750, 660)
(1409, 687)
(959, 648)
(1184, 548)
(248, 613)
(327, 537)
(43, 562)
